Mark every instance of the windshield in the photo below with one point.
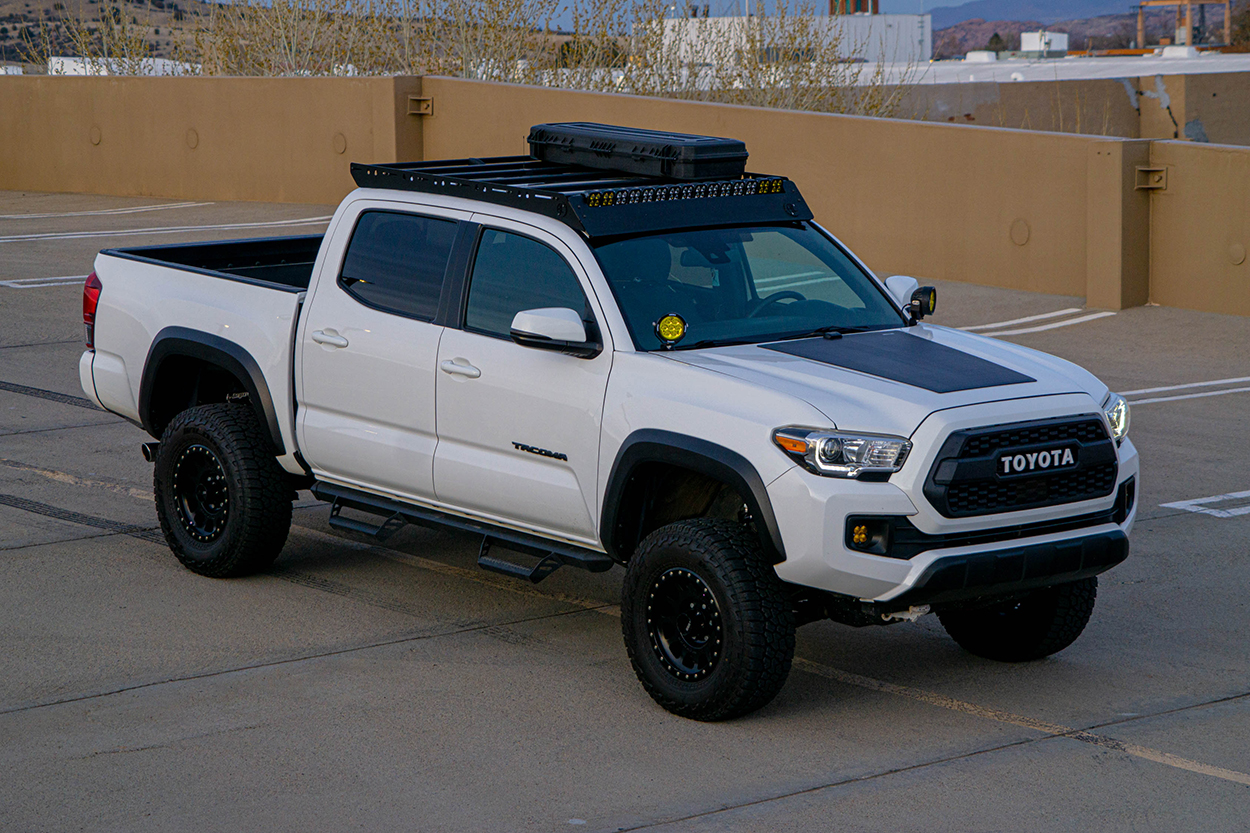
(735, 285)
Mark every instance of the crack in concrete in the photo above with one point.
(63, 427)
(169, 744)
(1084, 736)
(50, 395)
(351, 649)
(41, 344)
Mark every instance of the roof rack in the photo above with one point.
(598, 201)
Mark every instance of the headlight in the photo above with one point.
(838, 454)
(1116, 409)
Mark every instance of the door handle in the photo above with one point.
(466, 369)
(322, 337)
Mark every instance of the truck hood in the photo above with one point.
(854, 400)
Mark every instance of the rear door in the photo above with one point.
(519, 427)
(369, 345)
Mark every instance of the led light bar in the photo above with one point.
(686, 191)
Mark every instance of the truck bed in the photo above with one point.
(245, 293)
(280, 262)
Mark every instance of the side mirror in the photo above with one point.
(554, 328)
(901, 288)
(911, 296)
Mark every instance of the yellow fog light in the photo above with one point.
(868, 535)
(670, 329)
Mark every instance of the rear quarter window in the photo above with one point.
(396, 262)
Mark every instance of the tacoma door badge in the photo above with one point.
(541, 452)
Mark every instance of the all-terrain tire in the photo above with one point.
(1037, 625)
(707, 625)
(224, 502)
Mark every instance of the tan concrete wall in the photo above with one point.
(277, 139)
(933, 200)
(1117, 257)
(1200, 228)
(1158, 113)
(1220, 103)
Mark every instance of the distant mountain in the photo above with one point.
(1108, 31)
(1042, 11)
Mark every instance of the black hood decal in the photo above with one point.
(902, 357)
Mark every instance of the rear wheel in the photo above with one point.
(1033, 626)
(223, 501)
(708, 629)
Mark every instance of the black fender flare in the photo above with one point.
(215, 350)
(650, 445)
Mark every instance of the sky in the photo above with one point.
(913, 6)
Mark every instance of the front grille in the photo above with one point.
(981, 497)
(965, 479)
(1087, 430)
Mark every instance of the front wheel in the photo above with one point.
(708, 628)
(223, 501)
(1036, 625)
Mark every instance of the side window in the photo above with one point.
(396, 262)
(513, 273)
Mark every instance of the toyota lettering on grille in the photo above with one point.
(1034, 461)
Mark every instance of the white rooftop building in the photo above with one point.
(875, 38)
(142, 66)
(1166, 61)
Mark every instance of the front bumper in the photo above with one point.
(957, 577)
(1013, 551)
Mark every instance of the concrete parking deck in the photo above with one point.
(396, 686)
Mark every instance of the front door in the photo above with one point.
(368, 353)
(518, 426)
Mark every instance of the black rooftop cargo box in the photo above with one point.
(636, 151)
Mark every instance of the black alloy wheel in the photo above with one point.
(684, 623)
(223, 501)
(201, 494)
(706, 622)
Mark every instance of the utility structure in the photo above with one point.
(1189, 18)
(854, 7)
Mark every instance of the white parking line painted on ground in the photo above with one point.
(1187, 396)
(1024, 320)
(104, 211)
(1056, 325)
(35, 283)
(1199, 505)
(77, 235)
(1187, 385)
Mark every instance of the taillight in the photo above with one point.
(90, 299)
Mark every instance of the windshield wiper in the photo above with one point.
(715, 342)
(832, 331)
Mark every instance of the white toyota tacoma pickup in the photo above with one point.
(622, 349)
